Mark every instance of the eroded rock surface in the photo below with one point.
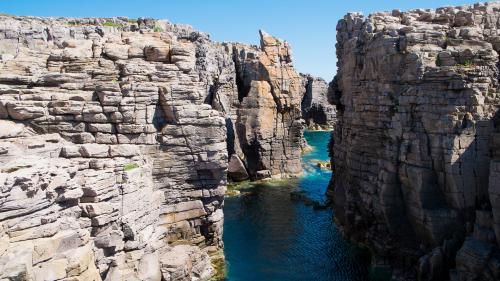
(416, 150)
(114, 144)
(263, 113)
(317, 112)
(111, 162)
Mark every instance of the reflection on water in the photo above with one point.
(269, 236)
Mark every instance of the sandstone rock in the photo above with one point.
(11, 129)
(263, 115)
(185, 262)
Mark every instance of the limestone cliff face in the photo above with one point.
(263, 112)
(114, 144)
(416, 149)
(316, 111)
(113, 166)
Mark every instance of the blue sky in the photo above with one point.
(309, 25)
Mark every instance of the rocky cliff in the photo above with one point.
(264, 115)
(113, 145)
(316, 111)
(416, 148)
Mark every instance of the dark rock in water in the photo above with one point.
(416, 150)
(303, 197)
(236, 169)
(324, 165)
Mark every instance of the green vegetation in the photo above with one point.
(130, 166)
(467, 63)
(72, 23)
(112, 24)
(5, 14)
(157, 29)
(438, 61)
(219, 266)
(235, 188)
(132, 20)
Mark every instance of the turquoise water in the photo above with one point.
(270, 236)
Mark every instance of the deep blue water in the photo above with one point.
(269, 236)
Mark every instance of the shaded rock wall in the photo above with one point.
(416, 145)
(112, 165)
(316, 111)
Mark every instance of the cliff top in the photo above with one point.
(455, 16)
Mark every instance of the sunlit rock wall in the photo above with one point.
(114, 144)
(265, 126)
(112, 165)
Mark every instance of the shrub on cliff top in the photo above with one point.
(157, 29)
(112, 24)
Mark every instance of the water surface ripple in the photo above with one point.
(268, 236)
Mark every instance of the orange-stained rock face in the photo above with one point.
(277, 64)
(266, 116)
(261, 115)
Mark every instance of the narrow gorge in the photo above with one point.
(139, 149)
(117, 140)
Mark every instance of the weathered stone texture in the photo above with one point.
(316, 111)
(416, 147)
(263, 112)
(110, 158)
(115, 140)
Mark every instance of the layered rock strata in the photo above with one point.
(316, 111)
(416, 149)
(112, 165)
(263, 113)
(114, 144)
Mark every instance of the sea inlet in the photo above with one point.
(284, 230)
